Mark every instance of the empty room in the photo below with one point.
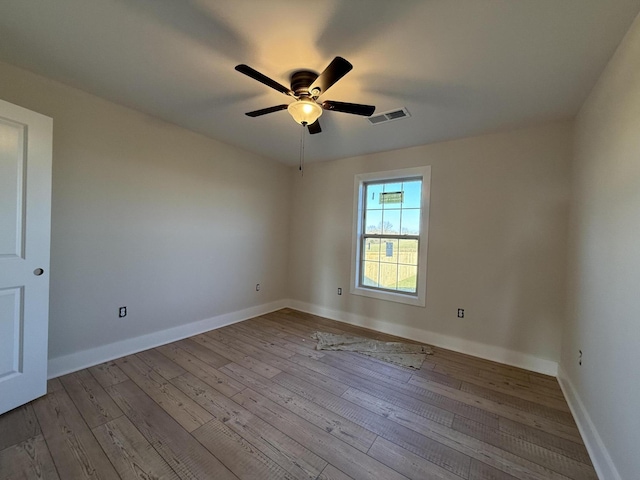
(346, 239)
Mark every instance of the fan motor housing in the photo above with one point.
(301, 81)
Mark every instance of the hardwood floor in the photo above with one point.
(255, 401)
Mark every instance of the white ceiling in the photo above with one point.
(461, 67)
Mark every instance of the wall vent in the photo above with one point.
(389, 116)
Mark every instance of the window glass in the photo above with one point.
(412, 190)
(407, 278)
(389, 250)
(391, 222)
(371, 250)
(390, 234)
(370, 274)
(373, 196)
(373, 221)
(390, 242)
(410, 222)
(408, 252)
(389, 276)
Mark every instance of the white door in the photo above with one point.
(25, 230)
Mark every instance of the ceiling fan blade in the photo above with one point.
(314, 127)
(353, 108)
(256, 75)
(337, 69)
(264, 111)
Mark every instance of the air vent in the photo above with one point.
(389, 116)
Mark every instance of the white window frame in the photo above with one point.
(419, 298)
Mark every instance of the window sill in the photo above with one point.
(418, 301)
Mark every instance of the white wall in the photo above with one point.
(497, 244)
(174, 225)
(604, 268)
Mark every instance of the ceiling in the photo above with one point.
(461, 67)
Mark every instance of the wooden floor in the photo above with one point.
(256, 401)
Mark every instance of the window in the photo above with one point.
(391, 211)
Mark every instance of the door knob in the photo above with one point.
(38, 271)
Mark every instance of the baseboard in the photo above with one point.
(87, 358)
(599, 454)
(488, 352)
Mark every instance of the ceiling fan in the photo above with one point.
(306, 87)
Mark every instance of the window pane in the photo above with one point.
(371, 250)
(391, 209)
(372, 196)
(388, 276)
(407, 278)
(391, 222)
(370, 273)
(392, 196)
(411, 221)
(389, 251)
(393, 187)
(373, 219)
(412, 191)
(408, 252)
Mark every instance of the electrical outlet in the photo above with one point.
(339, 291)
(461, 313)
(579, 357)
(122, 312)
(257, 287)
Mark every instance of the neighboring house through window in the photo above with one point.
(391, 217)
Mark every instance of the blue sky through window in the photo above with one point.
(390, 214)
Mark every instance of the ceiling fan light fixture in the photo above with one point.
(305, 111)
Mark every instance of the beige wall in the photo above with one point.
(180, 228)
(497, 243)
(604, 269)
(176, 226)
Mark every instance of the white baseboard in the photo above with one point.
(599, 454)
(87, 358)
(488, 352)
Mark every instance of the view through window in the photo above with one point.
(391, 235)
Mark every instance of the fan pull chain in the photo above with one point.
(301, 167)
